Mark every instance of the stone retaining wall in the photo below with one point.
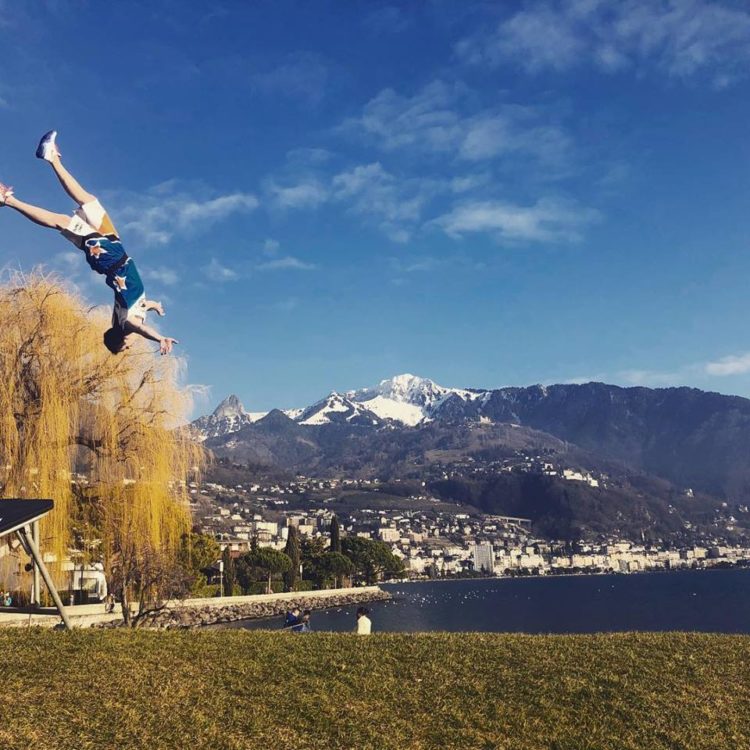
(198, 613)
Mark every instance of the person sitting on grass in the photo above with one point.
(91, 230)
(292, 618)
(304, 623)
(364, 623)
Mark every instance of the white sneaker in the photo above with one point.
(47, 149)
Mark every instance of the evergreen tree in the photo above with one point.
(312, 553)
(373, 560)
(230, 572)
(262, 561)
(293, 551)
(335, 567)
(335, 535)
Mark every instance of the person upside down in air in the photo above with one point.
(91, 230)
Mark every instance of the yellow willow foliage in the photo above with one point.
(93, 431)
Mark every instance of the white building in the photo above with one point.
(484, 557)
(269, 527)
(389, 535)
(579, 476)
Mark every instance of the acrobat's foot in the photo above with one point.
(5, 193)
(47, 148)
(158, 308)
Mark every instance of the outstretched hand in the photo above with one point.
(5, 192)
(166, 344)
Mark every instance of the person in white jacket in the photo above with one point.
(364, 623)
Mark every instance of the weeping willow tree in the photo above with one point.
(95, 432)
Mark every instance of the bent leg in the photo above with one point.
(71, 186)
(157, 307)
(40, 216)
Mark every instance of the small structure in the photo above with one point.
(21, 516)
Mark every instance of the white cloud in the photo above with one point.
(433, 121)
(441, 120)
(287, 263)
(538, 38)
(275, 262)
(695, 372)
(427, 119)
(164, 275)
(469, 182)
(171, 209)
(420, 265)
(219, 273)
(72, 268)
(417, 264)
(680, 38)
(426, 264)
(200, 393)
(733, 364)
(70, 259)
(309, 193)
(394, 204)
(548, 220)
(397, 205)
(652, 378)
(513, 132)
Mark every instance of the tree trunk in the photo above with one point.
(125, 607)
(269, 590)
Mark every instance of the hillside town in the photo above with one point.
(434, 539)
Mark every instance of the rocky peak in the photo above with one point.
(230, 407)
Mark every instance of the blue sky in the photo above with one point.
(326, 194)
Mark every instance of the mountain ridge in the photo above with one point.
(690, 437)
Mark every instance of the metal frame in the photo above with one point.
(28, 535)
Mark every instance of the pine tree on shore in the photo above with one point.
(293, 551)
(230, 572)
(336, 549)
(335, 535)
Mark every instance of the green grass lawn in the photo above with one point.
(235, 689)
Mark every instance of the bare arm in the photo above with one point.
(40, 216)
(165, 343)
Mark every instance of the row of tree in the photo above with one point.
(344, 560)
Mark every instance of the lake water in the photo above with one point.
(708, 601)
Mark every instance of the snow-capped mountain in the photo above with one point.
(228, 416)
(410, 400)
(402, 400)
(337, 409)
